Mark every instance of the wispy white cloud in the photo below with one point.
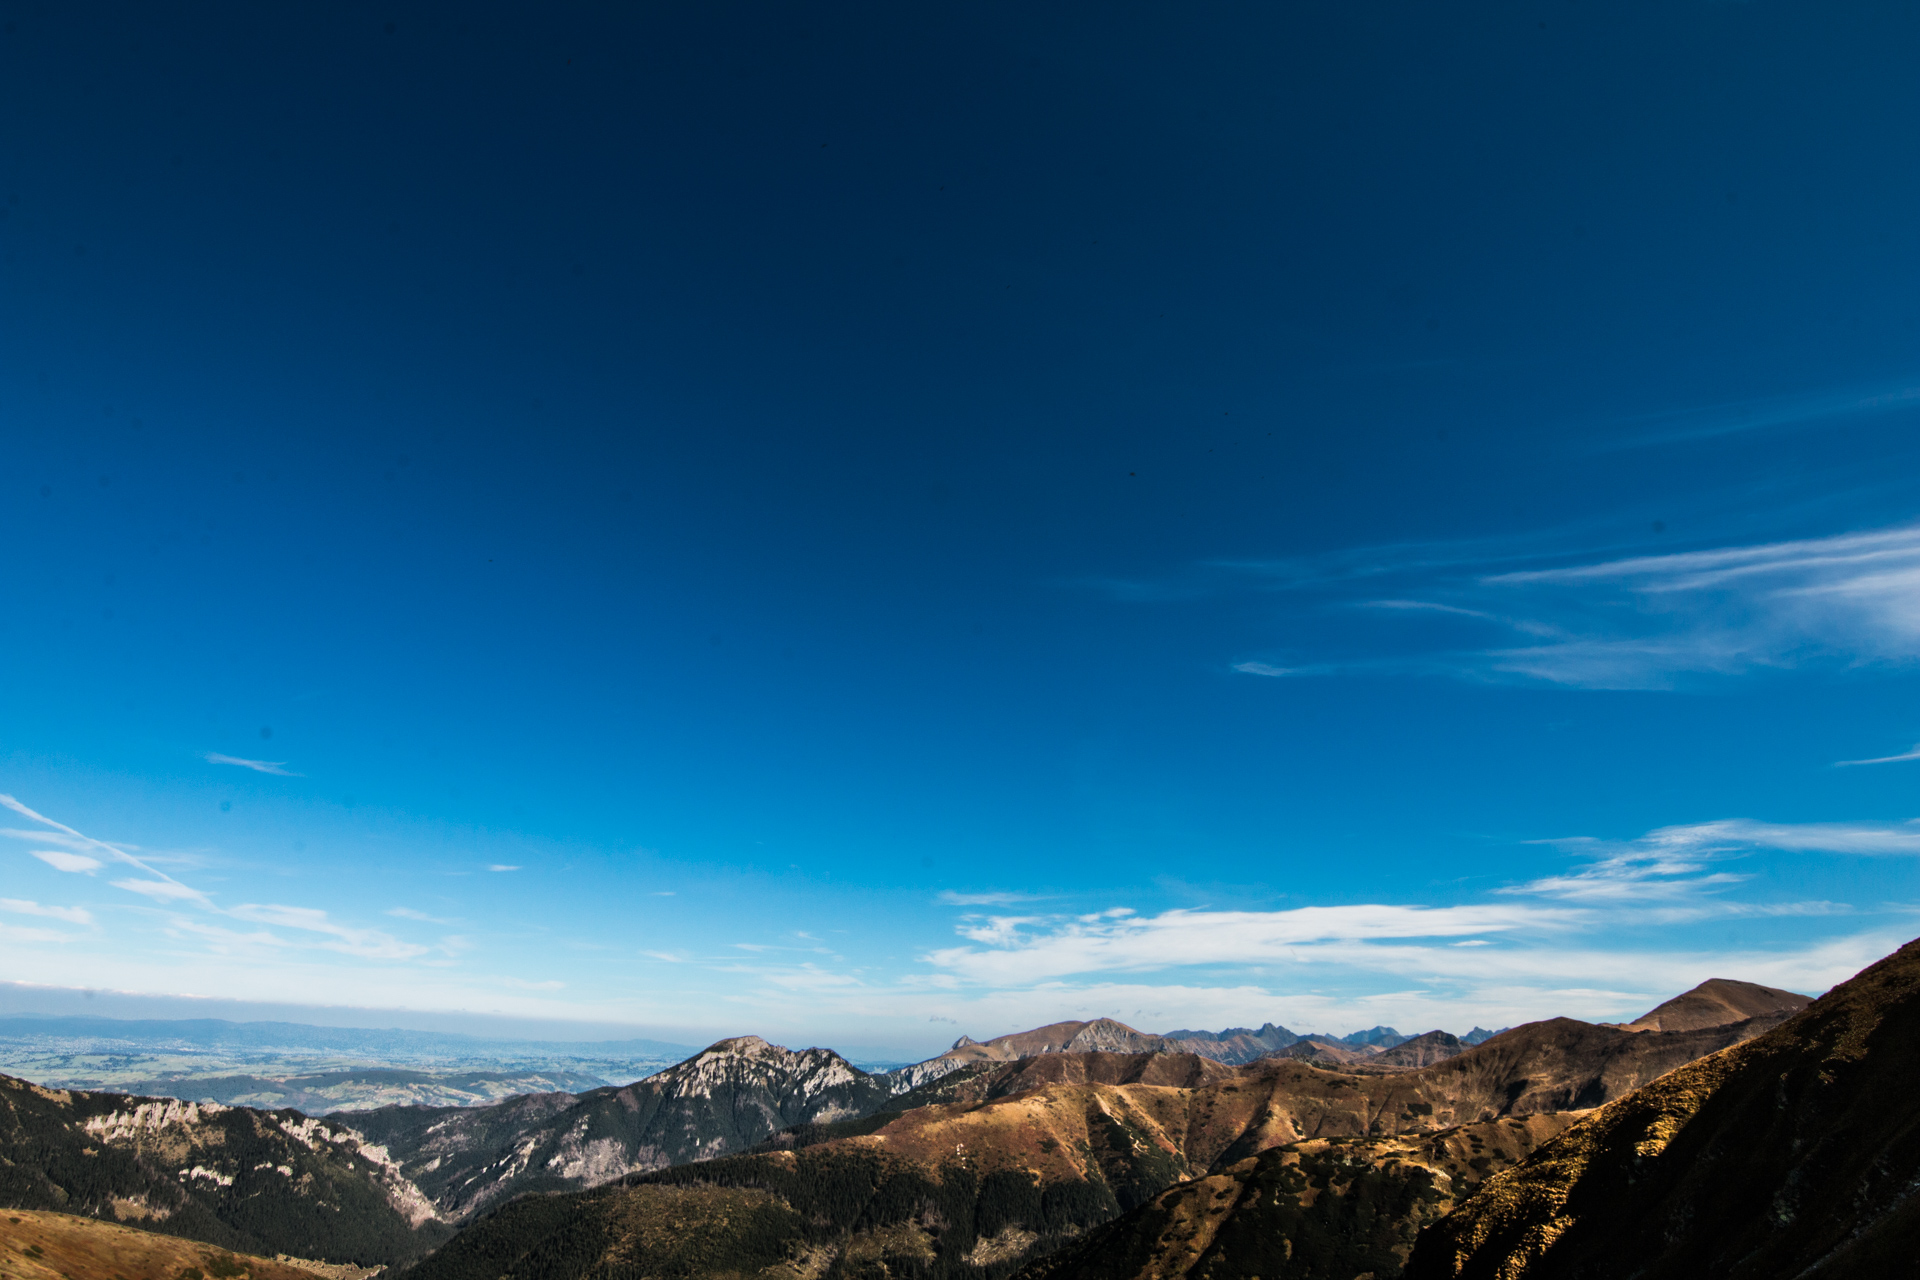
(14, 933)
(278, 768)
(1539, 609)
(501, 866)
(1668, 873)
(1710, 421)
(1913, 754)
(1870, 838)
(952, 898)
(164, 891)
(1024, 949)
(1670, 876)
(408, 913)
(224, 941)
(61, 860)
(72, 915)
(1642, 621)
(162, 885)
(367, 943)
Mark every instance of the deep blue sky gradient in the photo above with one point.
(807, 459)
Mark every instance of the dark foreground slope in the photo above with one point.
(1795, 1154)
(262, 1182)
(1039, 1151)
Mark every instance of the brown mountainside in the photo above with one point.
(1333, 1207)
(1717, 1001)
(1795, 1154)
(61, 1246)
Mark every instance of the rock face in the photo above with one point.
(1794, 1154)
(261, 1182)
(1718, 1001)
(724, 1099)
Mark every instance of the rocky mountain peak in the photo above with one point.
(745, 1047)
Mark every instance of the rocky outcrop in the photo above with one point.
(263, 1182)
(726, 1098)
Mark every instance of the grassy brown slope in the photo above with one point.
(1327, 1209)
(1795, 1154)
(1716, 1001)
(36, 1245)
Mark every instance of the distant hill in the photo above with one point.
(1794, 1154)
(1717, 1001)
(1102, 1035)
(1235, 1044)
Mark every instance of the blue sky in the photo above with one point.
(859, 525)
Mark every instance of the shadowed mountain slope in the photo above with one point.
(1327, 1209)
(724, 1099)
(1717, 1001)
(248, 1181)
(1795, 1154)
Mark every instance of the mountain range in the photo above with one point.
(998, 1161)
(1025, 1150)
